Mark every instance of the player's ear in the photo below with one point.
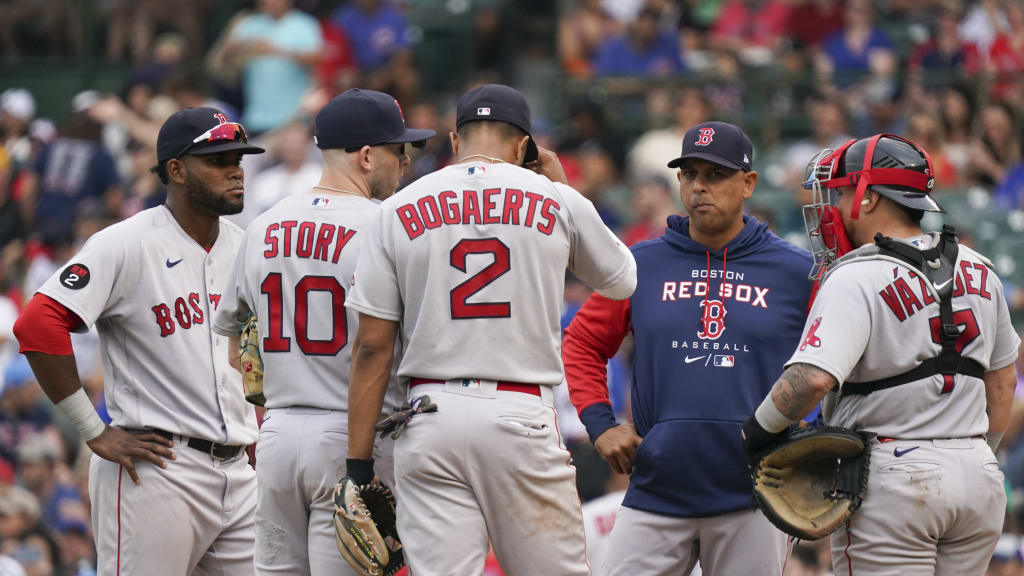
(454, 138)
(749, 183)
(521, 150)
(176, 170)
(365, 158)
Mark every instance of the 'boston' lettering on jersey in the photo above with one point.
(903, 300)
(490, 206)
(316, 240)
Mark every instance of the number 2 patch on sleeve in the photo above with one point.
(75, 276)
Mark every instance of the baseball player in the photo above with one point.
(909, 339)
(150, 284)
(293, 271)
(714, 313)
(470, 262)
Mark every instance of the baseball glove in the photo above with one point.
(364, 528)
(811, 480)
(251, 362)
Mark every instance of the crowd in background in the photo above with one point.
(630, 77)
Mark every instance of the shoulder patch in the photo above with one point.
(75, 276)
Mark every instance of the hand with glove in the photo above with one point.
(364, 527)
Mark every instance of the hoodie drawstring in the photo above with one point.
(707, 288)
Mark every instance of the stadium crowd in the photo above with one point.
(630, 77)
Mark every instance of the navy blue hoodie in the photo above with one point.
(697, 379)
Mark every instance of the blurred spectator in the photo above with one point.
(19, 512)
(654, 201)
(1007, 559)
(751, 28)
(17, 108)
(956, 109)
(379, 34)
(37, 553)
(1006, 56)
(44, 27)
(8, 345)
(10, 218)
(69, 174)
(598, 181)
(996, 147)
(277, 47)
(437, 153)
(338, 68)
(878, 108)
(944, 52)
(643, 50)
(295, 173)
(23, 412)
(580, 33)
(40, 470)
(828, 126)
(652, 151)
(76, 548)
(925, 129)
(859, 49)
(982, 23)
(811, 21)
(725, 86)
(132, 23)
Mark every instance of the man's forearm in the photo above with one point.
(800, 388)
(57, 375)
(999, 387)
(372, 354)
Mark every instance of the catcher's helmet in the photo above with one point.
(891, 156)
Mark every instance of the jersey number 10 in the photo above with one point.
(276, 341)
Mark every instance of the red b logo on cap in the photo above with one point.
(706, 134)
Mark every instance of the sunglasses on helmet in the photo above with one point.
(226, 132)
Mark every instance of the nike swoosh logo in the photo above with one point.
(943, 285)
(897, 452)
(173, 264)
(689, 360)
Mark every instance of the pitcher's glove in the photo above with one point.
(364, 528)
(251, 362)
(809, 481)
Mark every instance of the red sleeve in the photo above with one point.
(593, 337)
(45, 325)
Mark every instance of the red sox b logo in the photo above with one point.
(812, 340)
(706, 135)
(221, 118)
(712, 320)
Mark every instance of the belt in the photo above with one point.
(502, 385)
(884, 439)
(217, 451)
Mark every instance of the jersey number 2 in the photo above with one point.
(276, 341)
(461, 309)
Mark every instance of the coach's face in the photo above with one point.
(213, 182)
(713, 194)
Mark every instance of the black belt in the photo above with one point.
(217, 451)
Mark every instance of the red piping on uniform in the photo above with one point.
(568, 463)
(120, 473)
(707, 289)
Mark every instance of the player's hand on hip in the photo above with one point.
(548, 165)
(617, 445)
(125, 448)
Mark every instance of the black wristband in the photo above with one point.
(360, 471)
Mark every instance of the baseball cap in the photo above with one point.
(718, 142)
(497, 102)
(358, 118)
(18, 102)
(201, 130)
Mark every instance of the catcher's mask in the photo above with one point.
(891, 165)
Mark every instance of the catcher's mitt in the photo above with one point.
(251, 362)
(812, 480)
(364, 527)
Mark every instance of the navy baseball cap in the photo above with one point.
(497, 102)
(358, 118)
(718, 142)
(200, 131)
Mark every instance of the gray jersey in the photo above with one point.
(294, 270)
(875, 317)
(151, 291)
(471, 261)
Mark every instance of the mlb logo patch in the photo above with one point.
(483, 111)
(321, 201)
(725, 361)
(470, 384)
(477, 170)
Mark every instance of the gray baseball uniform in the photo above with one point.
(294, 270)
(471, 261)
(150, 289)
(935, 499)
